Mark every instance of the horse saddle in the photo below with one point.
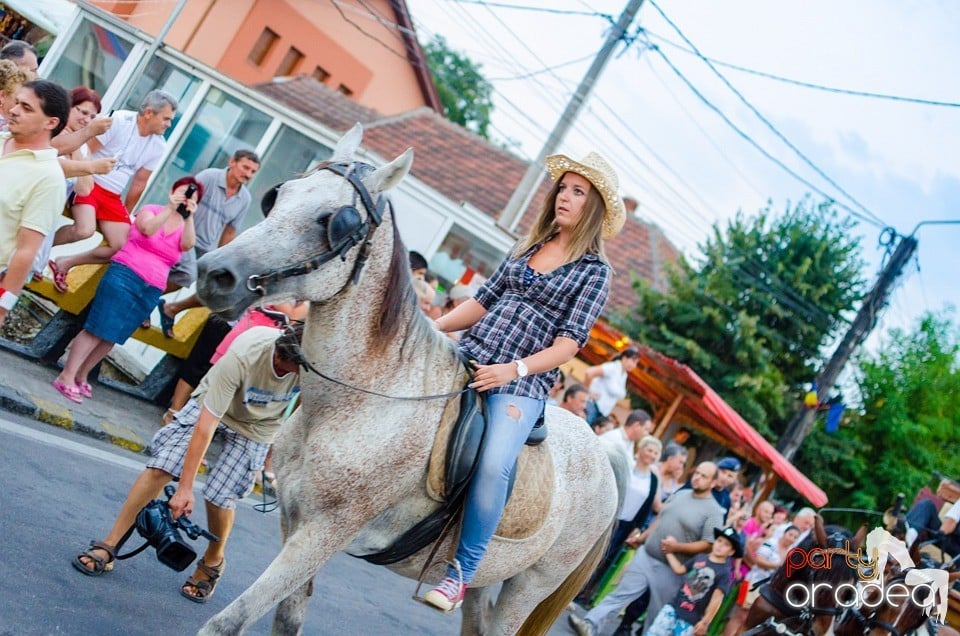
(453, 462)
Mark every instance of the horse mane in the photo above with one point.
(400, 297)
(399, 293)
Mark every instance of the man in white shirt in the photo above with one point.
(637, 426)
(136, 140)
(925, 516)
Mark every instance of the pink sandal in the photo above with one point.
(72, 393)
(85, 389)
(59, 278)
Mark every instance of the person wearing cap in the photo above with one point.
(706, 578)
(728, 469)
(608, 382)
(531, 316)
(685, 527)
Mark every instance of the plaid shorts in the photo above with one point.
(233, 475)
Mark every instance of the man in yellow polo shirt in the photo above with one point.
(34, 189)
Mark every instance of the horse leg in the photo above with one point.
(307, 548)
(475, 611)
(518, 599)
(292, 611)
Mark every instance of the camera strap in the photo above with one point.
(123, 540)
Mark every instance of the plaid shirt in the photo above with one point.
(524, 319)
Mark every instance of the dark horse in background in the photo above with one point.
(772, 614)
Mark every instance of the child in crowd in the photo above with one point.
(706, 580)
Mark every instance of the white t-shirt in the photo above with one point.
(638, 489)
(611, 387)
(953, 512)
(618, 439)
(132, 150)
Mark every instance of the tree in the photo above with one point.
(464, 92)
(908, 425)
(753, 316)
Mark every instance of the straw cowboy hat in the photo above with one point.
(598, 171)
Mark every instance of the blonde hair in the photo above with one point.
(587, 233)
(11, 77)
(650, 440)
(423, 289)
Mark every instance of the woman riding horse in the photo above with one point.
(533, 315)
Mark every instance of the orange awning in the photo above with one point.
(676, 392)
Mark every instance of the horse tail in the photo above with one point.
(550, 608)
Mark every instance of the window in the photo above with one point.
(320, 74)
(262, 46)
(289, 63)
(346, 91)
(290, 154)
(222, 125)
(92, 58)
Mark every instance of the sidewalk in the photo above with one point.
(26, 389)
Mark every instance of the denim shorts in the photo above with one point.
(122, 302)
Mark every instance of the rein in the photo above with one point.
(423, 398)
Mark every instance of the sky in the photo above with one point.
(687, 167)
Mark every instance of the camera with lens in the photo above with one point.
(182, 208)
(157, 526)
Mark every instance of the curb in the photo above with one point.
(49, 412)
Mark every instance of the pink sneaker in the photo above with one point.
(447, 596)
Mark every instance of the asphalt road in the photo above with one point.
(61, 489)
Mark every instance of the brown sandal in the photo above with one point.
(204, 588)
(100, 565)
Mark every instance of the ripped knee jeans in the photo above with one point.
(510, 418)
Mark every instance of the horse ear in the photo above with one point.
(348, 145)
(818, 532)
(859, 537)
(386, 177)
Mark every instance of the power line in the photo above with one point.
(703, 131)
(766, 122)
(548, 69)
(801, 83)
(503, 5)
(760, 148)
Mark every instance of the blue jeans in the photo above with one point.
(487, 496)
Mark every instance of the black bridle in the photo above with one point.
(345, 229)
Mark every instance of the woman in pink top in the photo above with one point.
(132, 284)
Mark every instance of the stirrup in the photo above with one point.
(417, 596)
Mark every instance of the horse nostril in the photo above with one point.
(222, 279)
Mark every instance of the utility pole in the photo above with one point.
(801, 424)
(524, 193)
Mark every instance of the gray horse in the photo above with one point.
(352, 465)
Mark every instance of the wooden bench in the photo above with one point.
(52, 341)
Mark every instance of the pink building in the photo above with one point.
(367, 50)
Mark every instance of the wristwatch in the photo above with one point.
(521, 368)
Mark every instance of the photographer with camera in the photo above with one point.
(242, 398)
(132, 284)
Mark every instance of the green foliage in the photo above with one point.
(752, 318)
(909, 426)
(464, 92)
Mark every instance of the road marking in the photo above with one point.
(109, 457)
(86, 450)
